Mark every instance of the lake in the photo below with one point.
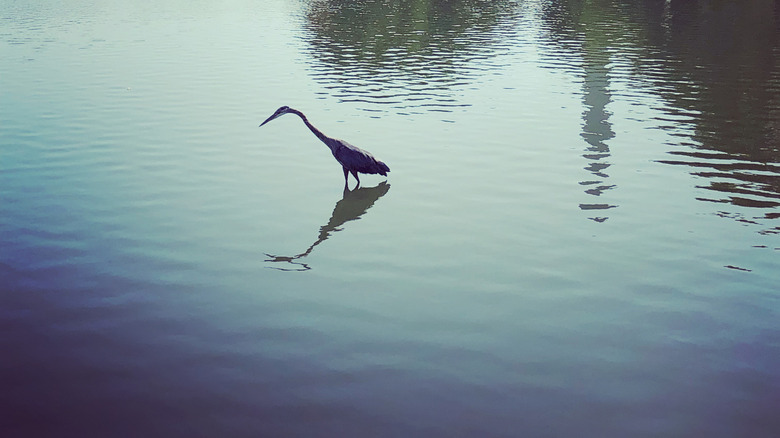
(579, 235)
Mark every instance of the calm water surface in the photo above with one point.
(579, 235)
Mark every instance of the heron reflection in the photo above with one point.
(351, 207)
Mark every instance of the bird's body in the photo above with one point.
(352, 159)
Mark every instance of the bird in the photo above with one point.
(352, 159)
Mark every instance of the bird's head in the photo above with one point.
(280, 112)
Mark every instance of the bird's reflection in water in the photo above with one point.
(353, 205)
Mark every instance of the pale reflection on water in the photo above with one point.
(581, 240)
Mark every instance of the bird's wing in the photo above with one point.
(354, 158)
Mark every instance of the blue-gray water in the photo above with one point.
(578, 236)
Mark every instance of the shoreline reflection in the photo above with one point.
(352, 206)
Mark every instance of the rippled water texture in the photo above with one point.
(579, 235)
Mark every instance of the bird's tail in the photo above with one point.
(382, 168)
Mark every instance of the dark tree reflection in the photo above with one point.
(716, 64)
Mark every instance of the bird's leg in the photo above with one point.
(346, 177)
(354, 173)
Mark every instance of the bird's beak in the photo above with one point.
(269, 119)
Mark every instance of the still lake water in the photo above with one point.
(579, 236)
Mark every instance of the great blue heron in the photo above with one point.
(352, 158)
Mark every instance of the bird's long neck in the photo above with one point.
(325, 139)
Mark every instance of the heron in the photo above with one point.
(352, 159)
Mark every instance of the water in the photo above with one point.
(578, 236)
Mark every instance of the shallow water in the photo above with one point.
(578, 236)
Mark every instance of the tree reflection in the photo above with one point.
(731, 53)
(351, 207)
(409, 56)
